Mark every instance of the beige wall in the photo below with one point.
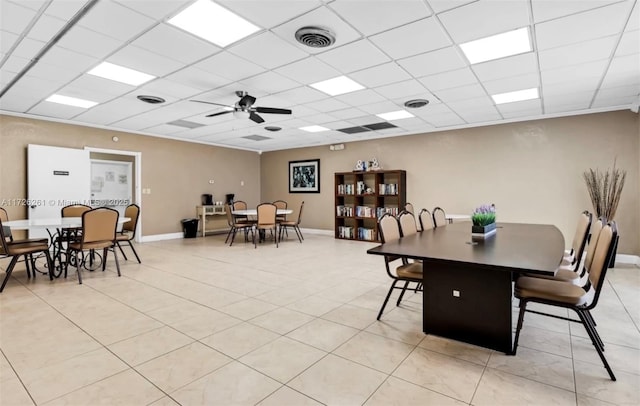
(176, 172)
(532, 171)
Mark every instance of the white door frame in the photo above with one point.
(137, 169)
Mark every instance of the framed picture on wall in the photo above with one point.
(304, 176)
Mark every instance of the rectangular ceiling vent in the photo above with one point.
(257, 137)
(354, 130)
(380, 126)
(186, 124)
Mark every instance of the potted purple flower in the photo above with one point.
(484, 221)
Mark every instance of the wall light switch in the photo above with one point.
(456, 293)
(211, 181)
(241, 183)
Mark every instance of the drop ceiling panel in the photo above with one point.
(229, 66)
(355, 56)
(577, 54)
(347, 114)
(445, 120)
(380, 75)
(157, 9)
(175, 44)
(586, 70)
(13, 65)
(503, 68)
(45, 28)
(571, 86)
(581, 27)
(267, 50)
(433, 62)
(114, 111)
(55, 110)
(534, 105)
(629, 43)
(7, 40)
(512, 83)
(427, 35)
(633, 23)
(32, 4)
(460, 93)
(87, 42)
(484, 18)
(378, 108)
(328, 105)
(480, 115)
(28, 48)
(45, 71)
(116, 21)
(302, 95)
(309, 70)
(163, 87)
(544, 10)
(582, 98)
(15, 18)
(621, 101)
(381, 16)
(357, 99)
(442, 5)
(406, 89)
(270, 13)
(447, 80)
(144, 61)
(65, 9)
(481, 103)
(618, 92)
(74, 61)
(22, 97)
(269, 82)
(197, 78)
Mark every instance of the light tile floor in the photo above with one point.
(201, 323)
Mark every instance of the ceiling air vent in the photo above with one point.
(151, 99)
(315, 37)
(416, 103)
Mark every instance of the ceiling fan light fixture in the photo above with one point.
(241, 114)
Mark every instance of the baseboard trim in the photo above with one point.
(316, 231)
(161, 237)
(628, 259)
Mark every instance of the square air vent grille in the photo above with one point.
(256, 137)
(380, 126)
(354, 130)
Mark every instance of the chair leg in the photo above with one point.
(386, 299)
(233, 231)
(275, 235)
(26, 265)
(256, 231)
(593, 329)
(123, 254)
(298, 233)
(78, 267)
(228, 235)
(12, 264)
(523, 308)
(49, 264)
(404, 289)
(593, 341)
(134, 252)
(590, 316)
(115, 256)
(104, 258)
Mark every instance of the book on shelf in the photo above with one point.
(345, 232)
(382, 210)
(388, 189)
(366, 234)
(364, 211)
(344, 211)
(345, 189)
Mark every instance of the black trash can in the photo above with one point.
(190, 228)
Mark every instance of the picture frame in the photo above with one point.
(304, 176)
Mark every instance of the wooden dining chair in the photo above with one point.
(293, 224)
(14, 249)
(128, 232)
(235, 226)
(439, 217)
(425, 219)
(99, 228)
(266, 220)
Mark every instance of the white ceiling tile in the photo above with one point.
(381, 107)
(623, 69)
(55, 110)
(115, 21)
(115, 110)
(87, 42)
(229, 66)
(197, 78)
(576, 54)
(581, 27)
(329, 105)
(544, 10)
(460, 93)
(160, 87)
(356, 99)
(484, 18)
(412, 39)
(618, 92)
(447, 80)
(629, 43)
(565, 108)
(321, 118)
(581, 98)
(571, 86)
(616, 101)
(47, 71)
(175, 44)
(336, 125)
(412, 123)
(65, 9)
(433, 62)
(308, 71)
(503, 68)
(166, 129)
(158, 9)
(15, 18)
(74, 61)
(45, 28)
(513, 83)
(269, 82)
(476, 103)
(365, 120)
(442, 5)
(301, 111)
(7, 40)
(355, 56)
(634, 19)
(267, 50)
(525, 105)
(21, 97)
(384, 15)
(348, 113)
(342, 31)
(144, 61)
(534, 112)
(445, 120)
(380, 75)
(480, 115)
(302, 95)
(586, 70)
(31, 4)
(269, 13)
(28, 48)
(406, 88)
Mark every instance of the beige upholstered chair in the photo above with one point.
(572, 259)
(98, 232)
(389, 229)
(16, 249)
(409, 207)
(580, 299)
(293, 224)
(425, 219)
(439, 217)
(72, 210)
(239, 218)
(407, 223)
(281, 205)
(235, 225)
(266, 221)
(128, 232)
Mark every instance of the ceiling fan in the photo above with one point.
(245, 107)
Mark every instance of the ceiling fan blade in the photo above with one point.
(247, 101)
(219, 114)
(254, 117)
(272, 110)
(208, 102)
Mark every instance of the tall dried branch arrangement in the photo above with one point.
(605, 189)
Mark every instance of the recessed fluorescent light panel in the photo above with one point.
(497, 46)
(336, 86)
(395, 115)
(213, 23)
(314, 129)
(70, 101)
(519, 95)
(120, 74)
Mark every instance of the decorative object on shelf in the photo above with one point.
(484, 221)
(304, 176)
(605, 189)
(375, 165)
(359, 166)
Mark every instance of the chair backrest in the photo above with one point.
(604, 251)
(388, 228)
(409, 207)
(266, 214)
(280, 204)
(74, 210)
(407, 223)
(133, 212)
(230, 218)
(3, 214)
(5, 237)
(439, 217)
(426, 221)
(591, 249)
(99, 224)
(239, 205)
(300, 213)
(581, 235)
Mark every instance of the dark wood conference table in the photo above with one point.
(468, 283)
